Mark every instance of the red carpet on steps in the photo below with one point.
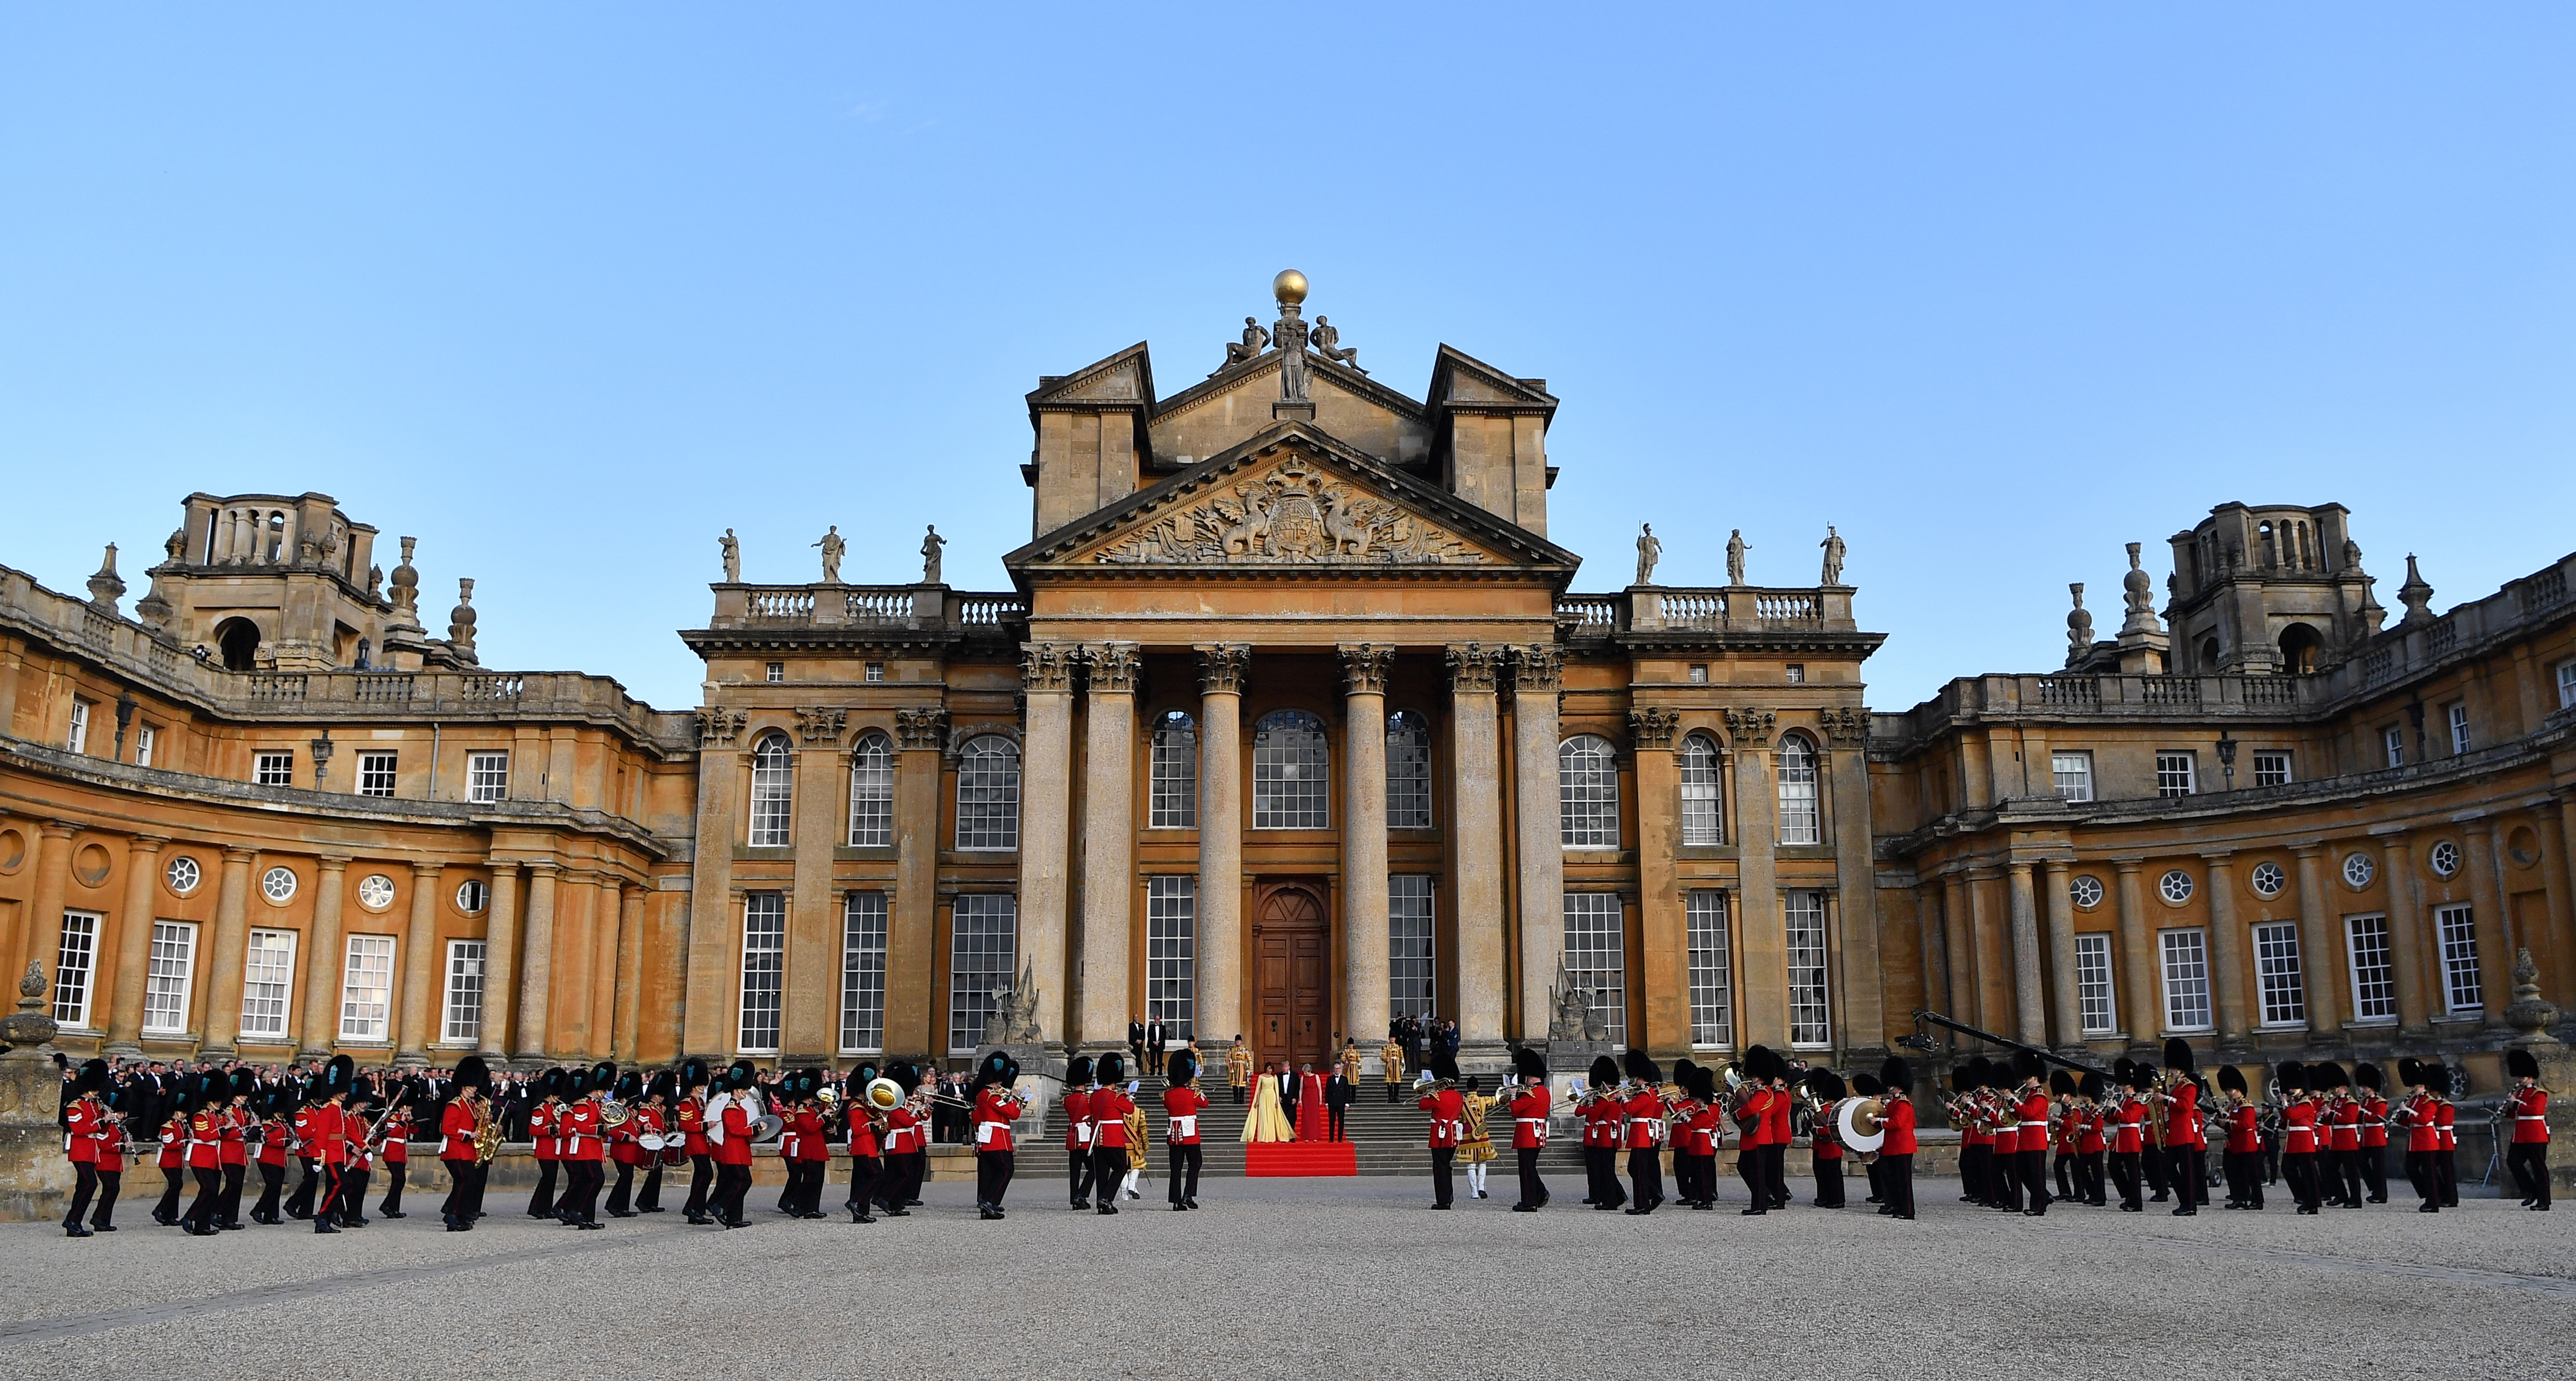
(1300, 1158)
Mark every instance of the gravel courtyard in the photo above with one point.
(1317, 1278)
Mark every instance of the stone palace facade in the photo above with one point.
(1291, 723)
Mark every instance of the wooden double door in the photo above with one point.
(1292, 951)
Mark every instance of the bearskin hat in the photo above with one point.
(2120, 1070)
(694, 1073)
(2026, 1067)
(551, 1083)
(2062, 1083)
(1826, 1084)
(1604, 1072)
(1682, 1069)
(2142, 1076)
(2410, 1071)
(1963, 1076)
(2178, 1055)
(630, 1086)
(92, 1077)
(906, 1075)
(576, 1084)
(995, 1068)
(1894, 1075)
(2325, 1076)
(2368, 1076)
(244, 1084)
(1445, 1067)
(663, 1085)
(1181, 1070)
(1528, 1064)
(1702, 1083)
(1077, 1074)
(338, 1077)
(2231, 1079)
(603, 1075)
(742, 1074)
(2445, 1079)
(1642, 1068)
(473, 1073)
(1867, 1085)
(2293, 1076)
(1110, 1068)
(2521, 1064)
(2091, 1084)
(1761, 1063)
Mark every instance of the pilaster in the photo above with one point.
(1537, 678)
(912, 916)
(419, 965)
(1220, 953)
(1364, 882)
(1108, 843)
(133, 946)
(1476, 805)
(220, 1032)
(1046, 677)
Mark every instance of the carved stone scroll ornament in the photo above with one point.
(920, 727)
(1292, 514)
(1653, 727)
(1751, 726)
(821, 723)
(719, 727)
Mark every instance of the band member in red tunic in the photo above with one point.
(393, 1146)
(1778, 1133)
(1698, 1129)
(1077, 1129)
(1896, 1153)
(2339, 1131)
(87, 1126)
(581, 1134)
(2423, 1133)
(2372, 1157)
(866, 1122)
(1824, 1140)
(903, 1144)
(172, 1162)
(2241, 1159)
(653, 1118)
(205, 1109)
(2186, 1153)
(690, 1119)
(2446, 1147)
(1529, 1104)
(729, 1117)
(1182, 1106)
(457, 1124)
(808, 1154)
(1643, 1111)
(2128, 1127)
(2091, 1143)
(1109, 1105)
(997, 1106)
(328, 1130)
(2527, 1154)
(1604, 1117)
(2301, 1166)
(1976, 1138)
(1448, 1111)
(544, 1144)
(233, 1128)
(276, 1143)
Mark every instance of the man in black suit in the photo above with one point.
(1288, 1092)
(1136, 1041)
(1154, 1042)
(1339, 1093)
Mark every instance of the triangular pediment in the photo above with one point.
(1294, 498)
(1460, 380)
(1126, 377)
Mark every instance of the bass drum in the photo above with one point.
(1859, 1122)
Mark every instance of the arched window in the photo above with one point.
(872, 792)
(1799, 821)
(1291, 773)
(988, 793)
(2299, 647)
(1173, 791)
(238, 640)
(773, 792)
(1703, 818)
(1587, 785)
(1408, 772)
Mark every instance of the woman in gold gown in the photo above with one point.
(1477, 1147)
(1266, 1122)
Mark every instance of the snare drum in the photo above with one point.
(651, 1141)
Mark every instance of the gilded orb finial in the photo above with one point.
(1289, 287)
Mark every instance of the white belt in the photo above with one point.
(1531, 1121)
(2034, 1124)
(2526, 1117)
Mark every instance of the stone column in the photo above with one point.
(1475, 756)
(1364, 885)
(576, 913)
(1046, 782)
(1663, 969)
(133, 947)
(2227, 966)
(714, 922)
(1982, 931)
(500, 960)
(317, 1027)
(1960, 947)
(2141, 983)
(810, 993)
(2030, 1009)
(1108, 843)
(2320, 957)
(220, 1033)
(626, 1017)
(1536, 804)
(420, 965)
(1762, 957)
(536, 973)
(2405, 927)
(911, 919)
(1220, 949)
(610, 913)
(1935, 945)
(45, 919)
(2062, 994)
(2496, 940)
(1859, 994)
(2549, 821)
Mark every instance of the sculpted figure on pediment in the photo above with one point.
(1294, 514)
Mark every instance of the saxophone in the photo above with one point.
(487, 1131)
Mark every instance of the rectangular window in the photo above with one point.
(165, 983)
(1173, 789)
(2459, 958)
(487, 776)
(1408, 772)
(367, 988)
(872, 794)
(1797, 673)
(375, 774)
(2374, 979)
(75, 965)
(863, 972)
(2097, 1013)
(1171, 953)
(1699, 673)
(876, 672)
(2174, 774)
(2271, 769)
(2459, 718)
(143, 738)
(764, 958)
(268, 983)
(2074, 775)
(2276, 974)
(981, 948)
(2394, 740)
(777, 672)
(1810, 1019)
(1410, 981)
(78, 742)
(2186, 956)
(272, 769)
(1595, 953)
(2566, 685)
(1712, 988)
(461, 1021)
(1703, 813)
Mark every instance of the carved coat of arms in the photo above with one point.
(1293, 514)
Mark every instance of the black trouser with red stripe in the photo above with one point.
(1441, 1157)
(993, 1176)
(1750, 1168)
(1108, 1172)
(396, 1171)
(272, 1181)
(1601, 1173)
(1646, 1176)
(84, 1189)
(1185, 1162)
(228, 1208)
(172, 1177)
(1896, 1184)
(1829, 1181)
(863, 1182)
(2374, 1170)
(2527, 1160)
(210, 1192)
(2186, 1170)
(2033, 1166)
(1533, 1189)
(702, 1175)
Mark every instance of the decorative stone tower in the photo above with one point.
(2269, 589)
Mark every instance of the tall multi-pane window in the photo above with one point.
(2073, 773)
(78, 739)
(2459, 958)
(773, 792)
(2271, 769)
(1172, 789)
(144, 737)
(982, 943)
(1596, 954)
(1800, 820)
(2566, 684)
(988, 793)
(2277, 979)
(75, 965)
(872, 792)
(487, 777)
(863, 972)
(1291, 774)
(268, 982)
(165, 982)
(1712, 987)
(2186, 966)
(2374, 977)
(2458, 715)
(1410, 982)
(1171, 953)
(764, 957)
(2095, 1009)
(2393, 744)
(461, 1013)
(367, 988)
(1810, 1016)
(1703, 817)
(1587, 788)
(1408, 772)
(272, 769)
(376, 773)
(2176, 774)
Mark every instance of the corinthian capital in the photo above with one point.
(1221, 667)
(1364, 668)
(1537, 667)
(1473, 666)
(1113, 667)
(1047, 666)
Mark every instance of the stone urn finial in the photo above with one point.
(406, 583)
(30, 1026)
(460, 624)
(2079, 628)
(2529, 1012)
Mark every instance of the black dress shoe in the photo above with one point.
(1442, 1207)
(391, 1213)
(657, 1208)
(322, 1227)
(906, 1213)
(102, 1227)
(737, 1222)
(588, 1227)
(1752, 1212)
(75, 1230)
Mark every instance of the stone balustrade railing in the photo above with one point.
(1664, 610)
(910, 608)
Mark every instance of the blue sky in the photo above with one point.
(566, 290)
